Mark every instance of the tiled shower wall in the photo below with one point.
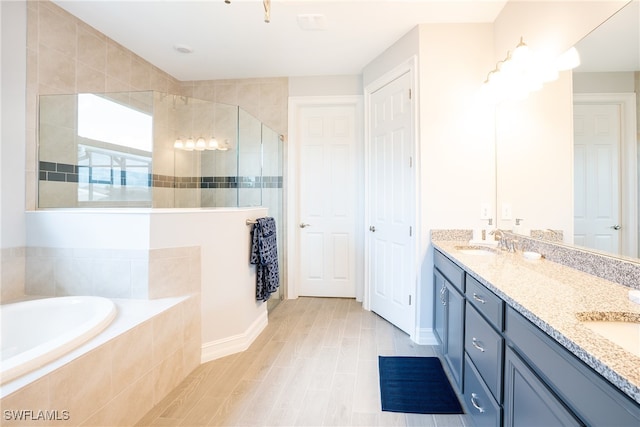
(67, 56)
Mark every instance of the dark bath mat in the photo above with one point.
(416, 385)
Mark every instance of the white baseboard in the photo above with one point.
(234, 344)
(425, 336)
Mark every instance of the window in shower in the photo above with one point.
(101, 119)
(115, 141)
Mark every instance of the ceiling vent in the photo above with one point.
(312, 22)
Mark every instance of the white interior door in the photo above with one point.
(391, 203)
(597, 139)
(327, 201)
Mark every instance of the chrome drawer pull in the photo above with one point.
(477, 298)
(474, 342)
(474, 397)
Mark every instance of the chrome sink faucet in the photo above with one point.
(504, 243)
(502, 239)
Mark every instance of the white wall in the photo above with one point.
(456, 137)
(612, 82)
(12, 146)
(325, 86)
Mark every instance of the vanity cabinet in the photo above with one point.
(513, 373)
(449, 314)
(528, 401)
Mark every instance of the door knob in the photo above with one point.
(616, 227)
(372, 228)
(303, 225)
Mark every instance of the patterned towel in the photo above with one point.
(264, 254)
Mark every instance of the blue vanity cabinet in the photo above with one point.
(449, 314)
(512, 372)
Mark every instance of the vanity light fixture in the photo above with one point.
(521, 73)
(201, 144)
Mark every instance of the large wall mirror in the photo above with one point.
(556, 172)
(606, 88)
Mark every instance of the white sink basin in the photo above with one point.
(625, 334)
(477, 250)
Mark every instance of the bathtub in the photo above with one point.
(38, 331)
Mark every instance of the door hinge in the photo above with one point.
(410, 231)
(409, 93)
(409, 299)
(410, 161)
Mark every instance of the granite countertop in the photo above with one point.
(553, 297)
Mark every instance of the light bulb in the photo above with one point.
(178, 144)
(568, 60)
(200, 144)
(522, 53)
(189, 145)
(213, 143)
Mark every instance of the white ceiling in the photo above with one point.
(232, 41)
(614, 45)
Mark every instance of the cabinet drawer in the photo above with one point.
(453, 273)
(487, 303)
(478, 400)
(484, 347)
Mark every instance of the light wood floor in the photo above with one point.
(315, 364)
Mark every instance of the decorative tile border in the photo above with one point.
(62, 172)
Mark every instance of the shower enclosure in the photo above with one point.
(156, 150)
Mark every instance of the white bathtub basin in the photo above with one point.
(38, 331)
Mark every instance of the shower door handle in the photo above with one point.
(303, 225)
(616, 227)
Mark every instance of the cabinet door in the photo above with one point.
(439, 307)
(527, 401)
(455, 333)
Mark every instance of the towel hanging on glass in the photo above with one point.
(264, 254)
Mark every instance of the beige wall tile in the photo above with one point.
(92, 48)
(57, 30)
(90, 79)
(167, 375)
(167, 333)
(127, 407)
(12, 274)
(118, 62)
(132, 356)
(84, 384)
(56, 71)
(140, 74)
(34, 396)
